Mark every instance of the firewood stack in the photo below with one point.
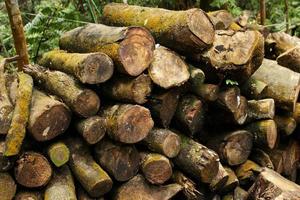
(154, 105)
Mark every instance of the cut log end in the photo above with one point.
(171, 145)
(87, 103)
(59, 154)
(141, 89)
(136, 50)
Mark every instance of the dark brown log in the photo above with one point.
(156, 168)
(189, 187)
(119, 160)
(127, 123)
(82, 101)
(270, 185)
(168, 69)
(90, 175)
(29, 195)
(163, 141)
(232, 181)
(128, 89)
(48, 117)
(197, 160)
(291, 159)
(91, 68)
(261, 158)
(58, 153)
(61, 186)
(236, 54)
(163, 106)
(277, 156)
(221, 19)
(290, 59)
(184, 31)
(233, 147)
(264, 133)
(137, 188)
(33, 170)
(6, 163)
(285, 125)
(208, 92)
(92, 129)
(190, 114)
(260, 109)
(219, 180)
(285, 93)
(8, 187)
(131, 48)
(247, 172)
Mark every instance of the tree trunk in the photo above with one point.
(91, 68)
(167, 68)
(119, 160)
(184, 31)
(82, 101)
(58, 153)
(48, 117)
(131, 48)
(8, 186)
(127, 123)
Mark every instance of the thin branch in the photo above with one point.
(287, 19)
(262, 12)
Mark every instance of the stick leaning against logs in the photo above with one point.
(167, 126)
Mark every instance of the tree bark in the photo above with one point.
(127, 123)
(253, 88)
(92, 129)
(119, 160)
(58, 153)
(261, 158)
(131, 48)
(290, 59)
(219, 180)
(260, 109)
(91, 68)
(8, 186)
(167, 68)
(285, 125)
(33, 170)
(232, 181)
(84, 102)
(184, 31)
(48, 117)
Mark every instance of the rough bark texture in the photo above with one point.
(157, 169)
(167, 68)
(127, 123)
(61, 186)
(90, 175)
(33, 170)
(184, 31)
(48, 117)
(128, 89)
(285, 93)
(197, 160)
(290, 59)
(232, 181)
(139, 189)
(131, 48)
(89, 68)
(119, 160)
(82, 101)
(92, 129)
(270, 185)
(16, 132)
(163, 141)
(29, 195)
(260, 109)
(261, 158)
(58, 153)
(235, 54)
(8, 187)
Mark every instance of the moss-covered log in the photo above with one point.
(33, 170)
(260, 109)
(29, 195)
(163, 106)
(138, 189)
(168, 69)
(233, 148)
(82, 101)
(261, 158)
(58, 153)
(285, 93)
(6, 163)
(290, 59)
(197, 160)
(127, 123)
(184, 31)
(91, 68)
(219, 180)
(247, 172)
(90, 175)
(234, 54)
(163, 141)
(157, 169)
(190, 114)
(270, 185)
(128, 89)
(264, 133)
(131, 48)
(16, 132)
(61, 186)
(48, 117)
(92, 129)
(8, 187)
(119, 160)
(285, 124)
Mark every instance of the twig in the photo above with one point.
(287, 16)
(262, 12)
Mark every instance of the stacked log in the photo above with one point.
(219, 123)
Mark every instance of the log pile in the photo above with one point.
(140, 108)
